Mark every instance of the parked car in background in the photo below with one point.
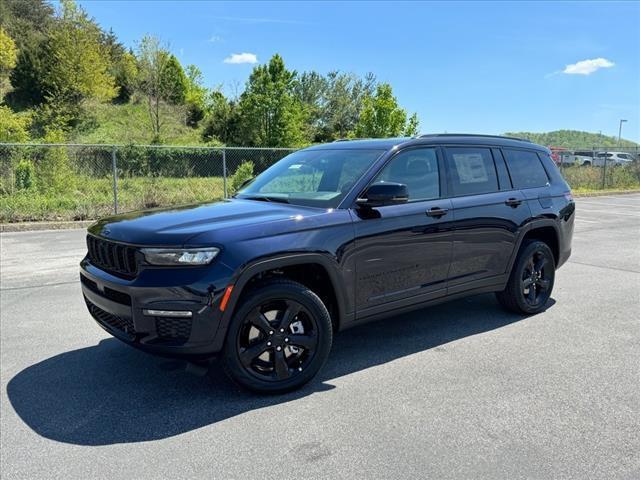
(616, 158)
(597, 158)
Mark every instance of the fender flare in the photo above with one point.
(240, 281)
(531, 225)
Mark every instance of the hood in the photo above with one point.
(176, 225)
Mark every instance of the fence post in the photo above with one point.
(604, 172)
(224, 172)
(114, 170)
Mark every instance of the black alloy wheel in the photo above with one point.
(277, 340)
(535, 281)
(279, 337)
(531, 281)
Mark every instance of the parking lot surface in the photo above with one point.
(461, 390)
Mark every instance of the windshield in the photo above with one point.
(315, 178)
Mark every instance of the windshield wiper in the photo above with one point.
(265, 198)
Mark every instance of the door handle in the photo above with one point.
(513, 202)
(437, 212)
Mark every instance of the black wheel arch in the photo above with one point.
(242, 279)
(544, 229)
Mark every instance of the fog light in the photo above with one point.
(168, 313)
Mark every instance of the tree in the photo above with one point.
(14, 128)
(382, 117)
(77, 63)
(161, 79)
(195, 96)
(270, 115)
(345, 101)
(223, 121)
(413, 126)
(8, 59)
(27, 22)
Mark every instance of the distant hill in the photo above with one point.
(573, 139)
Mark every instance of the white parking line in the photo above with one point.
(612, 213)
(607, 204)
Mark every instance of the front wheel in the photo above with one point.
(278, 339)
(531, 281)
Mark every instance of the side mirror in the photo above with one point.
(382, 194)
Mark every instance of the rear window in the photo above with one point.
(525, 169)
(472, 171)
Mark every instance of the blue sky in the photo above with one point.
(463, 67)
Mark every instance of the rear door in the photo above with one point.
(487, 213)
(402, 252)
(529, 176)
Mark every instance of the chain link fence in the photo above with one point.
(599, 168)
(79, 182)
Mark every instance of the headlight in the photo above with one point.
(189, 256)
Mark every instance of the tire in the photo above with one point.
(278, 339)
(531, 281)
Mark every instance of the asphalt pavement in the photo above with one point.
(461, 390)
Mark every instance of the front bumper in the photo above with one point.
(117, 305)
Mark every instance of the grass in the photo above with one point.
(129, 124)
(93, 198)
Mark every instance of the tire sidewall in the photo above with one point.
(279, 291)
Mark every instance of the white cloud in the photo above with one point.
(241, 58)
(587, 67)
(215, 39)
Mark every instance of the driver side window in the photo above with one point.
(417, 169)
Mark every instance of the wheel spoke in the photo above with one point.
(289, 314)
(543, 283)
(307, 342)
(527, 282)
(260, 321)
(532, 293)
(541, 263)
(282, 369)
(252, 352)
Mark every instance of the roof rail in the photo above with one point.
(471, 135)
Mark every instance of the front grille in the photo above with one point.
(123, 324)
(173, 328)
(109, 293)
(113, 257)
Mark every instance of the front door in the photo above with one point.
(403, 252)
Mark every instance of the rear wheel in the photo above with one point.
(278, 339)
(531, 281)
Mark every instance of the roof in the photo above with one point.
(433, 139)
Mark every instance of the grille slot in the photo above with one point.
(123, 324)
(109, 293)
(173, 328)
(112, 257)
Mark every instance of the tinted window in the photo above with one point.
(525, 169)
(472, 171)
(417, 169)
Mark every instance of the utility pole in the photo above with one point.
(620, 131)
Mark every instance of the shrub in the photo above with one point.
(25, 175)
(241, 175)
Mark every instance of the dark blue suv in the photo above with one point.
(330, 237)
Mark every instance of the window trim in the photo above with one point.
(442, 173)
